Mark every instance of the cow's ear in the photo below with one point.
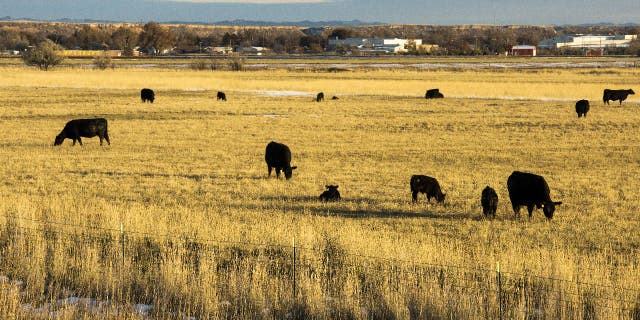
(326, 186)
(558, 203)
(296, 167)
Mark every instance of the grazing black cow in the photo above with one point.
(331, 194)
(221, 96)
(616, 95)
(527, 189)
(433, 94)
(320, 97)
(147, 95)
(334, 98)
(489, 201)
(88, 128)
(278, 156)
(582, 107)
(427, 185)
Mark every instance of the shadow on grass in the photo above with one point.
(313, 206)
(196, 177)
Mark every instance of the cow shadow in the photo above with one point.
(315, 207)
(195, 177)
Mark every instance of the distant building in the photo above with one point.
(523, 50)
(95, 53)
(582, 41)
(597, 52)
(373, 45)
(250, 50)
(218, 50)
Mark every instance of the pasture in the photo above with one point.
(207, 234)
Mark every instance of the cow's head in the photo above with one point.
(331, 187)
(288, 172)
(630, 91)
(59, 139)
(549, 208)
(440, 197)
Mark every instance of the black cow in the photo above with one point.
(582, 107)
(433, 94)
(221, 96)
(616, 95)
(489, 201)
(527, 189)
(320, 97)
(427, 185)
(334, 98)
(278, 156)
(88, 128)
(330, 194)
(147, 95)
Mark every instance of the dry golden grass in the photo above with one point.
(190, 167)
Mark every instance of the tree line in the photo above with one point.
(155, 37)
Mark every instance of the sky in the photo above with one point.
(438, 12)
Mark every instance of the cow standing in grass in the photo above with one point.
(528, 189)
(582, 107)
(147, 95)
(489, 201)
(426, 185)
(221, 96)
(614, 95)
(278, 156)
(88, 128)
(320, 97)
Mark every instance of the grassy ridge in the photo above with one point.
(189, 166)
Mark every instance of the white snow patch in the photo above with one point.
(194, 89)
(283, 93)
(142, 309)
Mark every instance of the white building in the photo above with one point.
(374, 44)
(250, 50)
(588, 41)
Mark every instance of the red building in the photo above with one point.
(523, 50)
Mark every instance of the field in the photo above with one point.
(206, 234)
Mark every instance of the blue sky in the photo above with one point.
(442, 12)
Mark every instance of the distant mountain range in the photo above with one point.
(237, 22)
(304, 23)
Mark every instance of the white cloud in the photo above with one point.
(251, 1)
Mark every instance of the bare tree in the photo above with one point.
(156, 36)
(45, 55)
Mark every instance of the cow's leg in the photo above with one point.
(414, 196)
(101, 138)
(106, 137)
(278, 172)
(516, 209)
(79, 140)
(74, 141)
(530, 209)
(270, 168)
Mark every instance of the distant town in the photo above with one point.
(153, 39)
